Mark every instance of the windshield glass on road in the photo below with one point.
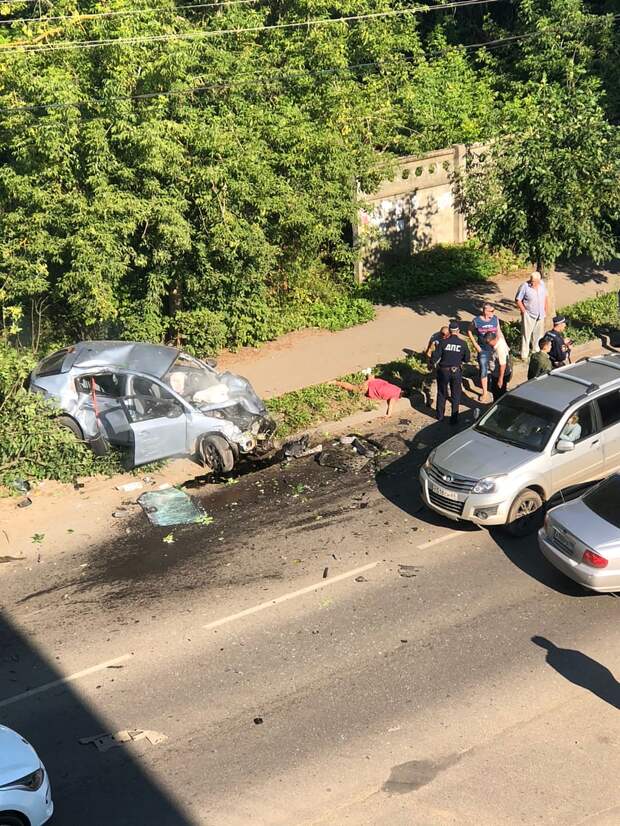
(519, 422)
(603, 500)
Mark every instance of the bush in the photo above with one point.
(32, 446)
(336, 314)
(588, 319)
(435, 270)
(201, 332)
(15, 366)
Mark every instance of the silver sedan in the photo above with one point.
(582, 538)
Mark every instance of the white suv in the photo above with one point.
(25, 794)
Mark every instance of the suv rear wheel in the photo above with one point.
(67, 423)
(526, 514)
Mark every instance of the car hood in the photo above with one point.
(17, 757)
(587, 526)
(474, 455)
(234, 390)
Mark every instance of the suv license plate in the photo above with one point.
(447, 494)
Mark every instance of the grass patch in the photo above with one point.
(305, 408)
(439, 269)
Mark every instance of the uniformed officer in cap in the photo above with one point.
(560, 346)
(450, 355)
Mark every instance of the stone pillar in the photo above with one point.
(460, 227)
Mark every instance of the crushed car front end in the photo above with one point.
(236, 411)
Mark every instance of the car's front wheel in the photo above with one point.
(526, 514)
(11, 820)
(216, 454)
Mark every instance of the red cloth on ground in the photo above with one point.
(381, 389)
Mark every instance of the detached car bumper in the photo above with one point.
(603, 581)
(479, 508)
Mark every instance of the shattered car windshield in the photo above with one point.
(195, 382)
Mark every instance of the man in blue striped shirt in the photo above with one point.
(531, 300)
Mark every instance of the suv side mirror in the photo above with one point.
(564, 446)
(210, 362)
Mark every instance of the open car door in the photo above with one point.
(158, 427)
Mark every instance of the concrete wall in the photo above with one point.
(414, 210)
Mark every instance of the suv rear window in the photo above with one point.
(52, 365)
(603, 500)
(520, 422)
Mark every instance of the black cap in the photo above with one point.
(558, 319)
(454, 325)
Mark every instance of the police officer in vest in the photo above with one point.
(560, 345)
(450, 355)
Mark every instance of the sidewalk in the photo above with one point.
(309, 357)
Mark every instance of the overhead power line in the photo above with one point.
(78, 16)
(259, 80)
(198, 35)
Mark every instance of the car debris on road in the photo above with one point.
(105, 742)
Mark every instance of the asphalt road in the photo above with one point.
(301, 675)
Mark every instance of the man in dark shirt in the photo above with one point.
(560, 346)
(540, 363)
(429, 378)
(449, 357)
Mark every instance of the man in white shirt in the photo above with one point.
(500, 370)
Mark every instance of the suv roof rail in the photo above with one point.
(589, 385)
(615, 365)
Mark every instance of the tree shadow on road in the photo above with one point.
(88, 787)
(582, 671)
(583, 270)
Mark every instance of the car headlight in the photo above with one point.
(429, 458)
(30, 783)
(487, 485)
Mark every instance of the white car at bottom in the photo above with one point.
(25, 793)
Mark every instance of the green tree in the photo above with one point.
(549, 184)
(231, 191)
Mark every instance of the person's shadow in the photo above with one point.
(582, 670)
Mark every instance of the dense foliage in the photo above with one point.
(435, 270)
(189, 172)
(124, 209)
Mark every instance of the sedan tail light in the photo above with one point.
(594, 560)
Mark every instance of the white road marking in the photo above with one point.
(445, 538)
(71, 678)
(292, 595)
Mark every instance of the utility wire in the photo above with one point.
(78, 17)
(160, 38)
(263, 79)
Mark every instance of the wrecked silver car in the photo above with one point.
(155, 401)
